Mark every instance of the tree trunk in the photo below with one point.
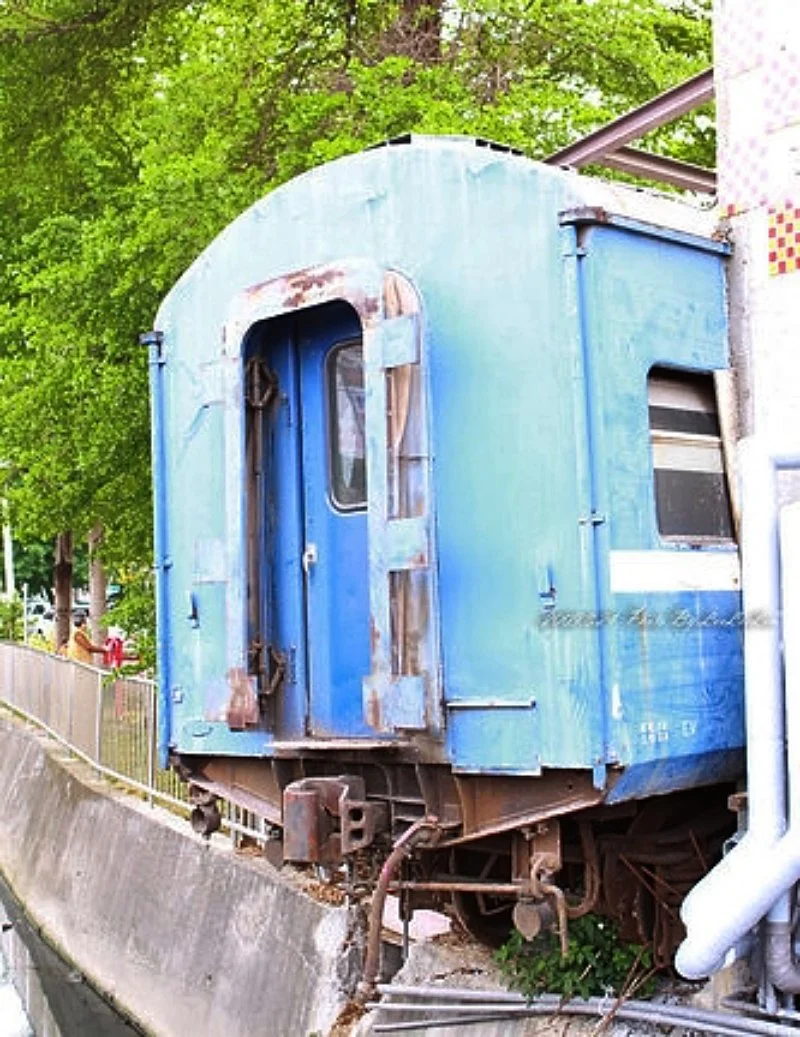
(62, 583)
(417, 31)
(97, 587)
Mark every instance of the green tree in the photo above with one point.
(132, 131)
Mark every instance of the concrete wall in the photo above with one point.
(756, 56)
(184, 935)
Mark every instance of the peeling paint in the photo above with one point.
(242, 710)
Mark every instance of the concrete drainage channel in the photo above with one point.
(187, 936)
(55, 997)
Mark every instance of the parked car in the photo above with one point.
(81, 600)
(40, 619)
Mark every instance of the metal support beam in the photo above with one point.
(663, 169)
(660, 110)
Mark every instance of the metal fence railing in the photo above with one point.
(110, 721)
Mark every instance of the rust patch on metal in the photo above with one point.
(586, 214)
(493, 804)
(315, 285)
(374, 709)
(253, 291)
(242, 708)
(368, 306)
(325, 819)
(300, 285)
(250, 783)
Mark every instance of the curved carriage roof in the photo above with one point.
(305, 210)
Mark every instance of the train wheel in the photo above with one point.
(485, 917)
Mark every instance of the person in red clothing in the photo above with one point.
(114, 655)
(113, 651)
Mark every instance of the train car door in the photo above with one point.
(334, 554)
(314, 569)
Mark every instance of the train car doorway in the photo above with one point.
(308, 589)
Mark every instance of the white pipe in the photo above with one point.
(763, 679)
(782, 969)
(755, 878)
(790, 575)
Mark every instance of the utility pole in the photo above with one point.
(62, 581)
(8, 556)
(97, 587)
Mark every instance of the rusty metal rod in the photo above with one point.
(557, 894)
(426, 826)
(591, 872)
(459, 886)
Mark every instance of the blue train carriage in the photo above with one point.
(444, 540)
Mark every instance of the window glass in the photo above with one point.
(348, 474)
(691, 489)
(405, 435)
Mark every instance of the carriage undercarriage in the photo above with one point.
(494, 853)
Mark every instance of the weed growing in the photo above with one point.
(597, 963)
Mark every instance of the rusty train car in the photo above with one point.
(446, 567)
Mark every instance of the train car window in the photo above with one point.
(348, 473)
(691, 490)
(405, 435)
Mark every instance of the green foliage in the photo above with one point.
(136, 130)
(597, 962)
(33, 564)
(11, 619)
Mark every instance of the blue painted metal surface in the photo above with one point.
(336, 589)
(533, 464)
(402, 691)
(285, 542)
(153, 341)
(672, 661)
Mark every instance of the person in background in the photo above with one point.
(113, 650)
(80, 647)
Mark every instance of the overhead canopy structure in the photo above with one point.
(608, 146)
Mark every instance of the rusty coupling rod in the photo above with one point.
(426, 829)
